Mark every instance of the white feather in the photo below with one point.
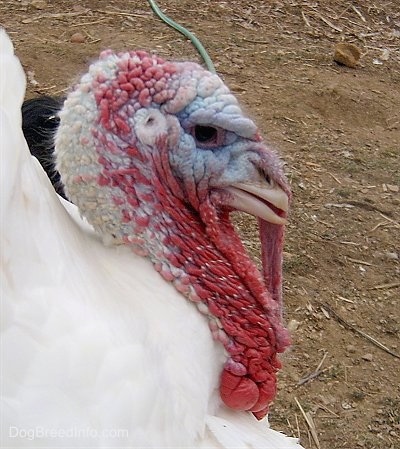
(97, 349)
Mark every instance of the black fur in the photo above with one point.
(39, 124)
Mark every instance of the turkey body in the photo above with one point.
(98, 349)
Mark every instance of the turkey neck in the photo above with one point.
(202, 255)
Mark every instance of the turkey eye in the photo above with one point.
(205, 134)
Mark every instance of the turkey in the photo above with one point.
(39, 124)
(134, 317)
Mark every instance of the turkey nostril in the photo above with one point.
(266, 177)
(150, 120)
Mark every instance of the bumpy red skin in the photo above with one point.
(195, 248)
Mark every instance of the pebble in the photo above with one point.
(393, 188)
(391, 256)
(77, 38)
(39, 4)
(368, 357)
(347, 54)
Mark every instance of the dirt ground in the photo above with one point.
(337, 128)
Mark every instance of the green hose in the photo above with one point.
(185, 32)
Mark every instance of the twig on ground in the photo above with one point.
(58, 15)
(358, 13)
(361, 262)
(382, 223)
(122, 13)
(334, 177)
(342, 298)
(254, 41)
(310, 423)
(373, 340)
(315, 373)
(329, 23)
(323, 407)
(390, 219)
(305, 19)
(385, 286)
(94, 22)
(297, 426)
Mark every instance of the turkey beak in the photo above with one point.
(263, 199)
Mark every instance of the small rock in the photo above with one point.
(39, 4)
(385, 54)
(30, 74)
(368, 357)
(293, 326)
(391, 256)
(393, 188)
(347, 54)
(351, 349)
(77, 38)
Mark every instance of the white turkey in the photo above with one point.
(144, 323)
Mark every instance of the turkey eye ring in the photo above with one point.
(207, 136)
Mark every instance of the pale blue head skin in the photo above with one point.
(235, 155)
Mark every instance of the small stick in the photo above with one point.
(342, 13)
(47, 88)
(311, 376)
(289, 119)
(310, 423)
(61, 90)
(358, 13)
(389, 219)
(358, 24)
(254, 41)
(335, 178)
(361, 262)
(329, 225)
(385, 286)
(315, 373)
(382, 223)
(305, 19)
(345, 299)
(88, 23)
(297, 426)
(343, 242)
(58, 15)
(290, 426)
(322, 361)
(328, 410)
(358, 331)
(121, 13)
(329, 23)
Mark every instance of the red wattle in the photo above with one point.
(238, 393)
(267, 393)
(261, 414)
